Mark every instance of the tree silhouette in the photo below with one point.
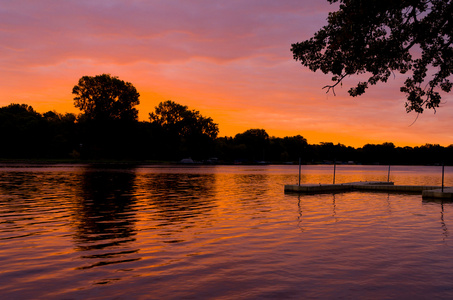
(109, 121)
(382, 36)
(61, 134)
(256, 143)
(105, 97)
(21, 131)
(174, 133)
(183, 130)
(25, 133)
(176, 117)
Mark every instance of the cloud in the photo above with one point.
(156, 31)
(229, 59)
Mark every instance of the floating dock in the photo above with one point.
(435, 192)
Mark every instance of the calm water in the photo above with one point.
(220, 232)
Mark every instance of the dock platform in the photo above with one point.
(434, 192)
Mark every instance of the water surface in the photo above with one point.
(219, 232)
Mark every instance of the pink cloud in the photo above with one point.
(149, 30)
(229, 59)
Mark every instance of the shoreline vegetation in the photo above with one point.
(176, 135)
(127, 163)
(107, 131)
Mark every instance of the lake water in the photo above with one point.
(220, 232)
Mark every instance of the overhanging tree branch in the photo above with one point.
(377, 37)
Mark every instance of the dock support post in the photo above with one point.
(300, 162)
(388, 175)
(443, 169)
(334, 169)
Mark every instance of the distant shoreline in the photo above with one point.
(113, 162)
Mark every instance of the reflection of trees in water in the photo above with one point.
(100, 203)
(32, 201)
(105, 215)
(22, 183)
(179, 198)
(36, 184)
(18, 192)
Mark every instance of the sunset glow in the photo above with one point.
(230, 60)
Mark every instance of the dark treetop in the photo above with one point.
(104, 97)
(179, 118)
(381, 36)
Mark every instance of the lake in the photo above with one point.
(220, 232)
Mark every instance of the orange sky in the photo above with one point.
(230, 60)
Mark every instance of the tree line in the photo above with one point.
(108, 129)
(26, 133)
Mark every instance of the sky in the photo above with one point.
(230, 60)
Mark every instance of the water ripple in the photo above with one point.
(78, 232)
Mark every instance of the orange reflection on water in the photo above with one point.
(230, 231)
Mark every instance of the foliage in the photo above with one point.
(175, 117)
(253, 137)
(105, 97)
(183, 130)
(19, 129)
(25, 133)
(108, 126)
(288, 149)
(255, 144)
(382, 36)
(326, 151)
(61, 133)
